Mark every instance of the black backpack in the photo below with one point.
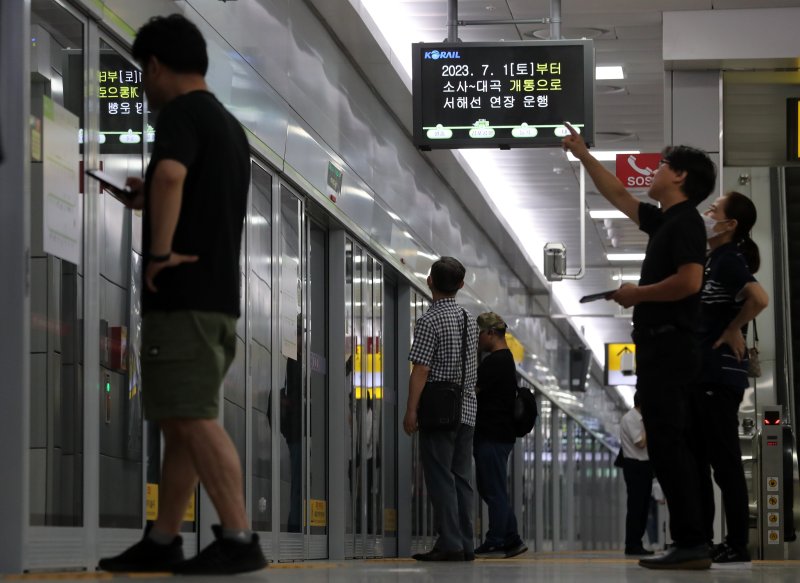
(525, 412)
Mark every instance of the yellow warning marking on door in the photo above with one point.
(319, 513)
(390, 519)
(151, 504)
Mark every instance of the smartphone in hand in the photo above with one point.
(112, 184)
(598, 296)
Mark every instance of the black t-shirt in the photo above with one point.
(497, 390)
(725, 276)
(677, 237)
(196, 130)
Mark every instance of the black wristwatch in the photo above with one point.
(159, 258)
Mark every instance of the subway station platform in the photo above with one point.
(597, 567)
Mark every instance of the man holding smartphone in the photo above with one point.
(194, 197)
(665, 310)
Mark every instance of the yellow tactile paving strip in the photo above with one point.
(554, 558)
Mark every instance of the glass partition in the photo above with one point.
(122, 142)
(292, 375)
(58, 98)
(260, 321)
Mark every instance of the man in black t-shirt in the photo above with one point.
(495, 436)
(194, 197)
(666, 303)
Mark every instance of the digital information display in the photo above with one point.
(506, 95)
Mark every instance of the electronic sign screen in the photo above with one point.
(506, 95)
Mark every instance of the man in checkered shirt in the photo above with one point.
(446, 455)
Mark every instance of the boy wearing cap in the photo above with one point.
(495, 437)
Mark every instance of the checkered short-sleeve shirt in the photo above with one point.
(437, 344)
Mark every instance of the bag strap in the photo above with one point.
(464, 352)
(755, 334)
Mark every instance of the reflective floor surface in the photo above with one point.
(589, 567)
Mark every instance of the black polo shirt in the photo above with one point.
(677, 237)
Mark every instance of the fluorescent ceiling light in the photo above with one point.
(609, 72)
(626, 277)
(421, 275)
(607, 215)
(604, 155)
(625, 256)
(428, 255)
(395, 216)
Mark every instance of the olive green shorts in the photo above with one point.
(185, 356)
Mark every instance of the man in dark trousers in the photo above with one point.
(666, 308)
(495, 436)
(194, 197)
(638, 474)
(446, 454)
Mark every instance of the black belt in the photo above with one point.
(645, 332)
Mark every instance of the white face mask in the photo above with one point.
(710, 224)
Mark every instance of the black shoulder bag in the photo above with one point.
(440, 402)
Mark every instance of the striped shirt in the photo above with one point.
(726, 274)
(437, 345)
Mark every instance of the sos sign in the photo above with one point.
(637, 170)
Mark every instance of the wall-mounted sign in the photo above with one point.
(621, 364)
(334, 181)
(62, 207)
(506, 95)
(637, 170)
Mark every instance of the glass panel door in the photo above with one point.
(388, 459)
(364, 526)
(122, 141)
(259, 317)
(317, 434)
(351, 440)
(57, 95)
(293, 397)
(422, 512)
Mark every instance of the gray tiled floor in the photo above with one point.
(604, 567)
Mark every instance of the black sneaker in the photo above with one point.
(437, 555)
(224, 557)
(515, 549)
(146, 556)
(725, 556)
(487, 551)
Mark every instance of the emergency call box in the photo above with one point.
(502, 95)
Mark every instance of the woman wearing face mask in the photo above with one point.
(730, 298)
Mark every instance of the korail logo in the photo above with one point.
(436, 55)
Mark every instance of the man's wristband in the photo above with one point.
(159, 258)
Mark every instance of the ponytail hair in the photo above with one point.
(739, 207)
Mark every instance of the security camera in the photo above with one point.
(555, 261)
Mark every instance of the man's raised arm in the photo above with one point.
(608, 184)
